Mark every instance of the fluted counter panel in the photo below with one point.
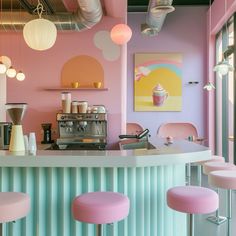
(53, 188)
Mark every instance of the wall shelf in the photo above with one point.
(75, 89)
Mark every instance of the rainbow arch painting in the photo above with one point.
(158, 82)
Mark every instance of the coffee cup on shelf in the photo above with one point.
(97, 84)
(75, 84)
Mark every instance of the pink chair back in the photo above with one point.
(133, 128)
(177, 130)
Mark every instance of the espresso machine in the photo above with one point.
(82, 131)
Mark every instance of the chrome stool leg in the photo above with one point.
(191, 225)
(229, 203)
(217, 219)
(199, 174)
(188, 173)
(99, 230)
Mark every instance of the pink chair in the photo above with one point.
(100, 208)
(192, 200)
(225, 179)
(208, 168)
(180, 130)
(177, 130)
(13, 206)
(133, 128)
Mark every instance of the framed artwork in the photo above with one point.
(158, 82)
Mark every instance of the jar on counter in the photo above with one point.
(74, 107)
(66, 102)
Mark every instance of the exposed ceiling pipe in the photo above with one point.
(157, 11)
(89, 13)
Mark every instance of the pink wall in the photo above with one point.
(184, 31)
(43, 69)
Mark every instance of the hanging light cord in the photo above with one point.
(39, 9)
(226, 28)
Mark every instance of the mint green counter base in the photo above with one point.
(53, 188)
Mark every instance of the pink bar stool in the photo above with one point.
(192, 200)
(13, 206)
(208, 167)
(225, 179)
(214, 158)
(100, 208)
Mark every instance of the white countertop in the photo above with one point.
(176, 153)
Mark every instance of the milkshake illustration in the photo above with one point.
(159, 95)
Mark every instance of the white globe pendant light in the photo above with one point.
(11, 72)
(40, 34)
(20, 76)
(121, 34)
(3, 68)
(6, 61)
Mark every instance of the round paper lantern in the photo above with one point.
(3, 68)
(11, 72)
(6, 61)
(40, 34)
(20, 76)
(121, 34)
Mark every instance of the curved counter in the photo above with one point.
(54, 178)
(180, 152)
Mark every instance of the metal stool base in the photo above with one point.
(217, 220)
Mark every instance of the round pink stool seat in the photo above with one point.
(13, 206)
(213, 166)
(225, 179)
(213, 159)
(100, 207)
(192, 199)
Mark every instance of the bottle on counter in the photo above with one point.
(66, 102)
(32, 143)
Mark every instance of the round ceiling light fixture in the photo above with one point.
(121, 34)
(40, 34)
(20, 76)
(11, 72)
(3, 68)
(6, 61)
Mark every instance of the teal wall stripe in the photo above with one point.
(225, 101)
(53, 189)
(225, 117)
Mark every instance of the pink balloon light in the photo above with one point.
(121, 34)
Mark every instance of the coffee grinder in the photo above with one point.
(47, 133)
(16, 112)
